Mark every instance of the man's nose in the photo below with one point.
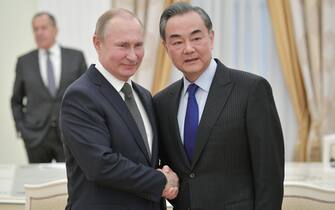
(188, 47)
(131, 55)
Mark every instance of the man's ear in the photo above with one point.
(166, 48)
(96, 42)
(164, 44)
(211, 37)
(56, 30)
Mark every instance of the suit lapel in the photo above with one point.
(119, 105)
(65, 60)
(173, 109)
(218, 95)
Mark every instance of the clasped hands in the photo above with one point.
(171, 188)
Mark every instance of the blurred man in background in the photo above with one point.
(42, 76)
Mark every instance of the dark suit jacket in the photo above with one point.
(239, 156)
(34, 109)
(108, 166)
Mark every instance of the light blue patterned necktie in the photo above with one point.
(51, 76)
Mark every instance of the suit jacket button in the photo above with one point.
(192, 175)
(53, 124)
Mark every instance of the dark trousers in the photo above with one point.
(50, 148)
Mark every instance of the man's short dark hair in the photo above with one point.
(50, 16)
(181, 8)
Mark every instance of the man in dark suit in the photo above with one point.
(42, 76)
(108, 127)
(219, 128)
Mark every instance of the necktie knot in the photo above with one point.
(126, 89)
(192, 89)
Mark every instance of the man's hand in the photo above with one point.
(171, 188)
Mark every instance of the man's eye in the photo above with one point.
(123, 45)
(139, 45)
(197, 39)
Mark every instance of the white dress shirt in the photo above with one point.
(118, 84)
(204, 83)
(55, 56)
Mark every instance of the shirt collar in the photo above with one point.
(116, 83)
(205, 80)
(54, 50)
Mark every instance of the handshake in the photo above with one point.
(171, 188)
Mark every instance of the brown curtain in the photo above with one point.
(163, 64)
(283, 30)
(314, 33)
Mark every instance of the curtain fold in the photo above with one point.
(163, 64)
(315, 32)
(282, 24)
(328, 63)
(306, 22)
(162, 70)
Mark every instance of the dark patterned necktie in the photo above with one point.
(135, 112)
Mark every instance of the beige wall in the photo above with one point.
(15, 39)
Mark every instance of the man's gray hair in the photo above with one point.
(181, 8)
(107, 16)
(50, 16)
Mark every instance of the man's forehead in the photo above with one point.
(42, 19)
(192, 32)
(185, 22)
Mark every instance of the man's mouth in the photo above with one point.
(190, 60)
(129, 65)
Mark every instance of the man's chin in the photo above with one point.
(128, 73)
(190, 69)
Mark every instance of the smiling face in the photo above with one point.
(121, 50)
(189, 44)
